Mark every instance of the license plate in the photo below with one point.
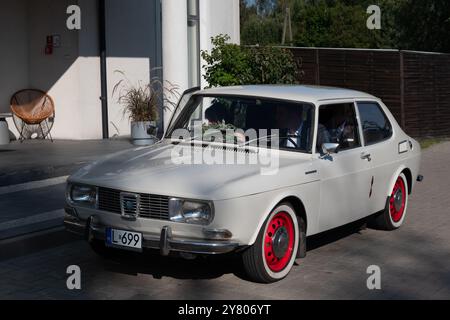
(124, 239)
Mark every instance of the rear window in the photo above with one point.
(376, 126)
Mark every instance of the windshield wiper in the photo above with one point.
(268, 137)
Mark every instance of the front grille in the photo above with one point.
(154, 206)
(150, 206)
(109, 200)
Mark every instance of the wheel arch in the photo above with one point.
(297, 204)
(408, 175)
(407, 172)
(299, 208)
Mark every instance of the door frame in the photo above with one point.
(325, 224)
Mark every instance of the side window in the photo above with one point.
(338, 124)
(376, 126)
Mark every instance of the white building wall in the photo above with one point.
(71, 74)
(56, 73)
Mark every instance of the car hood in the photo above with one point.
(156, 170)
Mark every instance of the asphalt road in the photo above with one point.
(414, 261)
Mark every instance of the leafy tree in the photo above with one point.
(406, 24)
(246, 11)
(261, 31)
(424, 25)
(265, 7)
(336, 24)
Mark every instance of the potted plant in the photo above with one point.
(141, 103)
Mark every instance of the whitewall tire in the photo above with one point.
(394, 214)
(273, 254)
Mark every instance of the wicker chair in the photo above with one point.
(33, 113)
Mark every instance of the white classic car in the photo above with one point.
(300, 160)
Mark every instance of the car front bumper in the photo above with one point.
(165, 242)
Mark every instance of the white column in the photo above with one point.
(205, 34)
(236, 37)
(175, 46)
(218, 17)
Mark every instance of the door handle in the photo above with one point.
(366, 156)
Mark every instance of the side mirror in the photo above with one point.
(329, 148)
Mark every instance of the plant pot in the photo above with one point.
(143, 133)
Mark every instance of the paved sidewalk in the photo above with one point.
(38, 160)
(414, 261)
(32, 181)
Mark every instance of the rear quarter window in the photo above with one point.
(376, 126)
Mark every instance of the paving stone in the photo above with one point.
(414, 262)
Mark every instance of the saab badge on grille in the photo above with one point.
(129, 205)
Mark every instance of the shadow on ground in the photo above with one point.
(151, 263)
(203, 267)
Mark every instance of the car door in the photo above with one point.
(377, 136)
(345, 175)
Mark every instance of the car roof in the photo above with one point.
(304, 93)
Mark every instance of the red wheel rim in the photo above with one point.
(279, 241)
(398, 200)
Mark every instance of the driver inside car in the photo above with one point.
(337, 125)
(344, 134)
(289, 122)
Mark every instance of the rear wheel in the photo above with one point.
(273, 254)
(394, 214)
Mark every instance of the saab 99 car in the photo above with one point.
(339, 156)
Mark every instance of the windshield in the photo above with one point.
(243, 120)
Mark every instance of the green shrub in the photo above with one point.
(227, 64)
(231, 64)
(272, 65)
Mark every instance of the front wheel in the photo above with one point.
(273, 254)
(394, 214)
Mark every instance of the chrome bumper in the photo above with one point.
(165, 242)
